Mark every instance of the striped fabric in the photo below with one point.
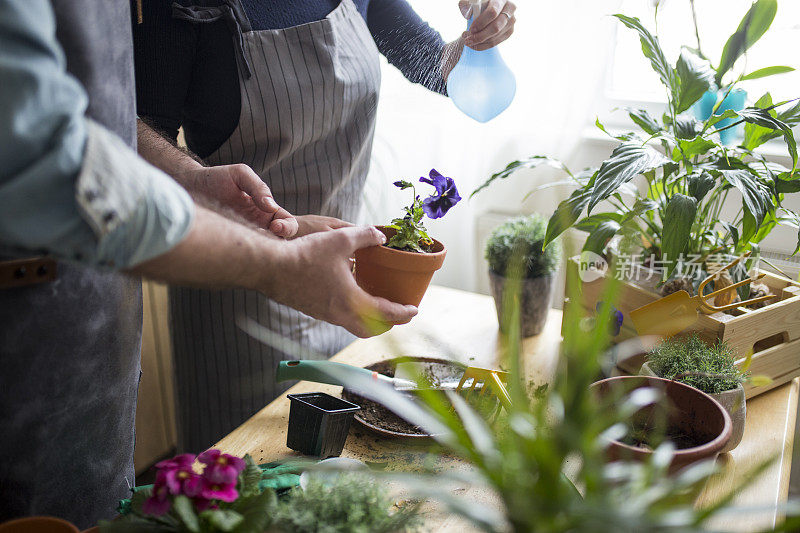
(306, 127)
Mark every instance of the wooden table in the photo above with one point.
(463, 326)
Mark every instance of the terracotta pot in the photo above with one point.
(38, 524)
(732, 400)
(536, 299)
(399, 276)
(690, 412)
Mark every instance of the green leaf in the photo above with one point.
(756, 197)
(695, 77)
(566, 214)
(531, 162)
(184, 510)
(626, 162)
(139, 496)
(652, 51)
(767, 71)
(752, 27)
(592, 221)
(696, 146)
(678, 220)
(250, 477)
(755, 135)
(600, 235)
(255, 512)
(764, 118)
(785, 184)
(222, 520)
(733, 231)
(686, 127)
(701, 184)
(644, 120)
(730, 113)
(622, 137)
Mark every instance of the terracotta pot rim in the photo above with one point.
(739, 388)
(709, 448)
(44, 519)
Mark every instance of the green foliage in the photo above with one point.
(669, 200)
(352, 504)
(708, 368)
(522, 238)
(523, 455)
(411, 234)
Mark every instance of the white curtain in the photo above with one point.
(559, 54)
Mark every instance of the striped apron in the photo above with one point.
(309, 95)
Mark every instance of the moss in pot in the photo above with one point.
(517, 245)
(709, 368)
(402, 269)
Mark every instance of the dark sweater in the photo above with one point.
(186, 74)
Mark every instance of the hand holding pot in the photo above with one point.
(316, 278)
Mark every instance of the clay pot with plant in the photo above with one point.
(694, 423)
(402, 269)
(514, 252)
(709, 368)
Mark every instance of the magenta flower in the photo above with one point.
(219, 491)
(158, 503)
(446, 196)
(221, 468)
(178, 476)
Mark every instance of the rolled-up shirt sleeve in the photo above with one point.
(69, 187)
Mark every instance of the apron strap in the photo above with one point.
(233, 15)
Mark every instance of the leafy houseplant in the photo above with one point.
(520, 241)
(663, 188)
(710, 368)
(402, 269)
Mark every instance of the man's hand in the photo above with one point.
(238, 187)
(318, 281)
(494, 25)
(309, 224)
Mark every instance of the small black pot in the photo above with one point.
(319, 423)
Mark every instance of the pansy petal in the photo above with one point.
(209, 456)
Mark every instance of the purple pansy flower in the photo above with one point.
(446, 196)
(617, 318)
(221, 468)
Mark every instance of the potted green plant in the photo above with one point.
(710, 368)
(654, 208)
(401, 270)
(517, 245)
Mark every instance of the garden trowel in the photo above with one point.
(676, 312)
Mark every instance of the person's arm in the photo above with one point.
(68, 186)
(418, 50)
(233, 187)
(311, 274)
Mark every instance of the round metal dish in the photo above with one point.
(371, 420)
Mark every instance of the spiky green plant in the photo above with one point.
(710, 368)
(524, 237)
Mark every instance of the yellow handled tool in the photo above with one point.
(676, 312)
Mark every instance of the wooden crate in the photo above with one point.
(772, 332)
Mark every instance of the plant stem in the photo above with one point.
(696, 30)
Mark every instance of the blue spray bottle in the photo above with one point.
(481, 84)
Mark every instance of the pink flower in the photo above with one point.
(221, 468)
(219, 491)
(201, 504)
(158, 503)
(178, 476)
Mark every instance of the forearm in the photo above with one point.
(164, 155)
(219, 253)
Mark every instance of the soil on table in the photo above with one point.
(378, 416)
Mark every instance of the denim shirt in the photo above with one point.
(68, 186)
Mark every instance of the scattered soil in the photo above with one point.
(377, 417)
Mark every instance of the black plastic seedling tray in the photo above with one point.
(319, 424)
